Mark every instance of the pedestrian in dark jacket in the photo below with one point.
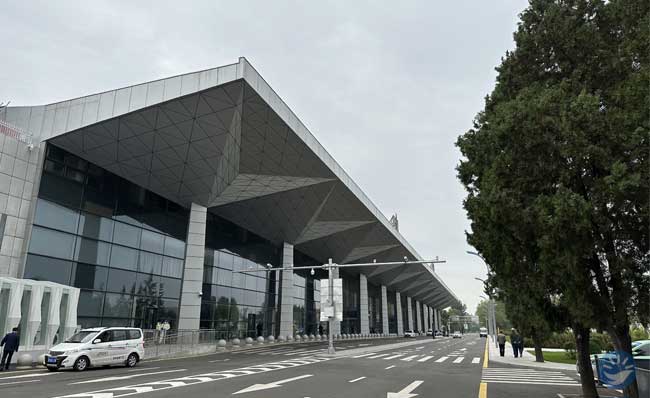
(515, 340)
(10, 343)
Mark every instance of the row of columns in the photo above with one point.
(190, 307)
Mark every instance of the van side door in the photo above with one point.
(118, 346)
(99, 352)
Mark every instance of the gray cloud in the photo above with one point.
(385, 87)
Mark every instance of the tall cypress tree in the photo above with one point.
(556, 166)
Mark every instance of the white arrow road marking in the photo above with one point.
(406, 391)
(257, 387)
(114, 378)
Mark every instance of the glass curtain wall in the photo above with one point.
(238, 304)
(306, 296)
(351, 309)
(405, 313)
(122, 245)
(374, 308)
(392, 311)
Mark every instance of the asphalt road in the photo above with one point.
(422, 367)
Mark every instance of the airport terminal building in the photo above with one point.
(148, 199)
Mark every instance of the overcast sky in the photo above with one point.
(385, 88)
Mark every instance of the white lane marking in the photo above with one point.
(141, 369)
(220, 360)
(409, 359)
(364, 355)
(424, 359)
(18, 382)
(389, 367)
(575, 384)
(257, 387)
(459, 359)
(29, 375)
(132, 376)
(357, 379)
(394, 356)
(442, 359)
(377, 356)
(476, 360)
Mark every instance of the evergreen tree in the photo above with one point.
(557, 166)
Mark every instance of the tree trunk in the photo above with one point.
(623, 342)
(584, 363)
(539, 355)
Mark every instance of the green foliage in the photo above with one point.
(556, 168)
(502, 318)
(639, 333)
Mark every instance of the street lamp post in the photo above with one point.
(491, 310)
(330, 266)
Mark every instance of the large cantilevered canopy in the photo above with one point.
(222, 138)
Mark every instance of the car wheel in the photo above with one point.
(81, 364)
(131, 361)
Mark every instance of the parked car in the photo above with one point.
(410, 333)
(483, 332)
(429, 332)
(640, 352)
(97, 347)
(457, 335)
(438, 333)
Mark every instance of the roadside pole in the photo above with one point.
(330, 335)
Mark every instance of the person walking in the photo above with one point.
(521, 346)
(514, 340)
(165, 329)
(10, 342)
(501, 340)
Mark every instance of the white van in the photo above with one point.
(98, 347)
(483, 332)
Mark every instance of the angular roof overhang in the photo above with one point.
(222, 138)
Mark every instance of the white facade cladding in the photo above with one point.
(44, 312)
(384, 310)
(364, 315)
(400, 320)
(287, 292)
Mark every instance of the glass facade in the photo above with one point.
(374, 308)
(238, 304)
(351, 304)
(306, 296)
(391, 300)
(122, 245)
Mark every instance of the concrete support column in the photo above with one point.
(400, 321)
(33, 320)
(436, 313)
(70, 322)
(54, 317)
(409, 312)
(286, 308)
(336, 324)
(384, 311)
(431, 324)
(190, 310)
(418, 316)
(363, 304)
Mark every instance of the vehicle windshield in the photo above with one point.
(81, 337)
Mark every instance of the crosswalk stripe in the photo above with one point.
(459, 359)
(443, 359)
(377, 356)
(476, 360)
(529, 382)
(394, 356)
(409, 359)
(424, 359)
(364, 355)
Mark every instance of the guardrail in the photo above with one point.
(15, 132)
(191, 342)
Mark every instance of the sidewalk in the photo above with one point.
(526, 360)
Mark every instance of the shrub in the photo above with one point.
(570, 349)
